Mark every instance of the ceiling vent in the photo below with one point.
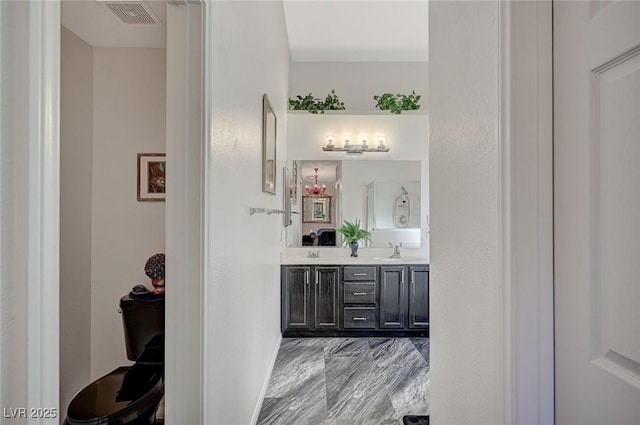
(133, 13)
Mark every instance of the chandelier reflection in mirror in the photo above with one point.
(358, 148)
(316, 190)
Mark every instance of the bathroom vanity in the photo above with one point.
(355, 297)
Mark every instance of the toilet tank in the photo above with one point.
(143, 323)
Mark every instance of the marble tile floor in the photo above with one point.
(347, 381)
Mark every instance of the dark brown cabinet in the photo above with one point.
(326, 299)
(355, 300)
(393, 297)
(418, 297)
(359, 292)
(296, 298)
(310, 298)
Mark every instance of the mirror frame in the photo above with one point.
(269, 137)
(327, 209)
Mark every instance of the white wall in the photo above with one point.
(407, 136)
(357, 82)
(247, 42)
(466, 322)
(76, 168)
(129, 118)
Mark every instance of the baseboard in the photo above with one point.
(265, 385)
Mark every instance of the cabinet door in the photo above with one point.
(327, 305)
(418, 297)
(393, 301)
(296, 302)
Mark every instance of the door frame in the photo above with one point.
(186, 212)
(30, 211)
(526, 270)
(527, 214)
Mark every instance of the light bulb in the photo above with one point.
(363, 139)
(347, 140)
(330, 141)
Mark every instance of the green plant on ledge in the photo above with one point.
(314, 105)
(398, 103)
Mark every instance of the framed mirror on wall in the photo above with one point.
(316, 209)
(269, 134)
(286, 196)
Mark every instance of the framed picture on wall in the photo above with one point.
(151, 176)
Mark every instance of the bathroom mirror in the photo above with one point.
(316, 209)
(385, 195)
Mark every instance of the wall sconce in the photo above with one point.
(355, 149)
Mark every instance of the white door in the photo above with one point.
(597, 212)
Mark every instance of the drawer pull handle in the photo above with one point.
(360, 293)
(359, 318)
(359, 274)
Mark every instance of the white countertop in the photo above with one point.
(341, 256)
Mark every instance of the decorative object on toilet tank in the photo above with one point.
(352, 233)
(314, 105)
(154, 268)
(398, 103)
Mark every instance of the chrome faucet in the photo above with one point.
(396, 250)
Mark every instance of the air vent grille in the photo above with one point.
(132, 13)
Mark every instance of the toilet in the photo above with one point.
(129, 395)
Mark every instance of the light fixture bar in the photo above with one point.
(357, 149)
(354, 149)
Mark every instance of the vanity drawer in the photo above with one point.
(359, 273)
(359, 317)
(360, 293)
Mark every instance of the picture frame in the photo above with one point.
(269, 138)
(152, 177)
(316, 209)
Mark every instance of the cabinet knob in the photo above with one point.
(360, 318)
(360, 293)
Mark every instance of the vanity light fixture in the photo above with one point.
(330, 141)
(356, 149)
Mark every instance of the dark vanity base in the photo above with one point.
(355, 300)
(418, 333)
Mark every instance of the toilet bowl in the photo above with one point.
(129, 395)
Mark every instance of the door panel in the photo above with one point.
(326, 304)
(616, 239)
(596, 212)
(392, 297)
(418, 297)
(297, 302)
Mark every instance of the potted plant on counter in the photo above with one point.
(352, 233)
